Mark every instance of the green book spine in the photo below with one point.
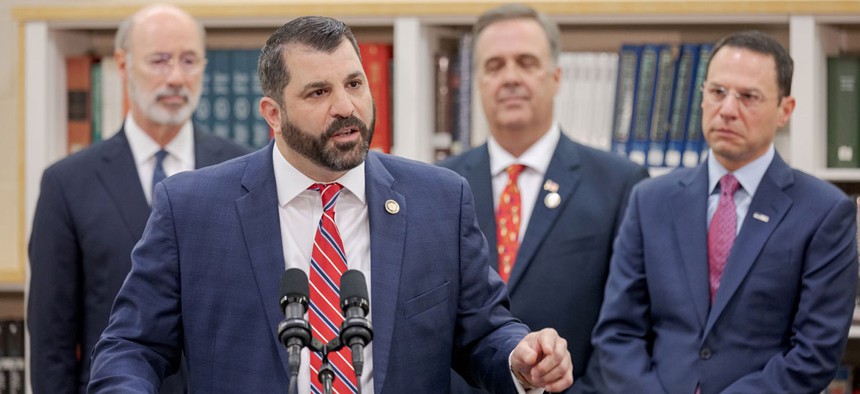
(98, 102)
(843, 112)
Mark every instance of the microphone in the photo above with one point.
(356, 331)
(295, 331)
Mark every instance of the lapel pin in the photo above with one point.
(760, 216)
(552, 200)
(392, 207)
(550, 186)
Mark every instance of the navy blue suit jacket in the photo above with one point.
(90, 213)
(561, 267)
(205, 279)
(780, 319)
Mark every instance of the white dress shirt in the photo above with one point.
(748, 176)
(299, 211)
(536, 160)
(143, 148)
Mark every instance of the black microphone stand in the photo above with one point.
(326, 372)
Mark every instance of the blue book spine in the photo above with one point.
(693, 147)
(625, 93)
(243, 73)
(219, 61)
(259, 128)
(203, 113)
(659, 128)
(680, 109)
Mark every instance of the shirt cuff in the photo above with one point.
(520, 383)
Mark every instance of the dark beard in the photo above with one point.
(334, 157)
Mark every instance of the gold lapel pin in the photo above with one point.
(760, 216)
(392, 207)
(553, 199)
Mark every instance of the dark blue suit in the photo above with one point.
(780, 319)
(561, 267)
(90, 213)
(205, 280)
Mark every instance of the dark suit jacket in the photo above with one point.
(90, 213)
(780, 319)
(205, 279)
(561, 267)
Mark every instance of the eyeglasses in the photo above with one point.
(162, 63)
(715, 94)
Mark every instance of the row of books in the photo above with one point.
(231, 93)
(583, 105)
(12, 365)
(657, 113)
(229, 103)
(96, 102)
(843, 111)
(453, 97)
(642, 102)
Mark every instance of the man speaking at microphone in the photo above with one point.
(205, 275)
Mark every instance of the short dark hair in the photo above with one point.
(520, 11)
(759, 42)
(317, 32)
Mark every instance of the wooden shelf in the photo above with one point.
(393, 8)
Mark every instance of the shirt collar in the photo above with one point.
(291, 182)
(536, 157)
(143, 147)
(749, 176)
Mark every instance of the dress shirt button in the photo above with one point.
(705, 353)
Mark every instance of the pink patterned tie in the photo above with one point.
(721, 234)
(328, 263)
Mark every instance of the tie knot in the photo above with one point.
(329, 193)
(729, 184)
(159, 156)
(514, 171)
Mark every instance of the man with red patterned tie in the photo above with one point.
(549, 206)
(739, 275)
(205, 275)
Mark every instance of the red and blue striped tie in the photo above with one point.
(328, 263)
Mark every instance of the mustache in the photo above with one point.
(342, 123)
(172, 91)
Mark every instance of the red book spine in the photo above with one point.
(79, 90)
(376, 59)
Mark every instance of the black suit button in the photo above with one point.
(705, 353)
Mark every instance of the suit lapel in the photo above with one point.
(769, 200)
(690, 206)
(118, 174)
(258, 214)
(477, 173)
(563, 170)
(387, 242)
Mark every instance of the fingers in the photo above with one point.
(544, 360)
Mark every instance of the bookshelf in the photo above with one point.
(812, 30)
(49, 33)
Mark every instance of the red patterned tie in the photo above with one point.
(721, 234)
(328, 263)
(508, 222)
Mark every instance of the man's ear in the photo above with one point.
(119, 56)
(271, 111)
